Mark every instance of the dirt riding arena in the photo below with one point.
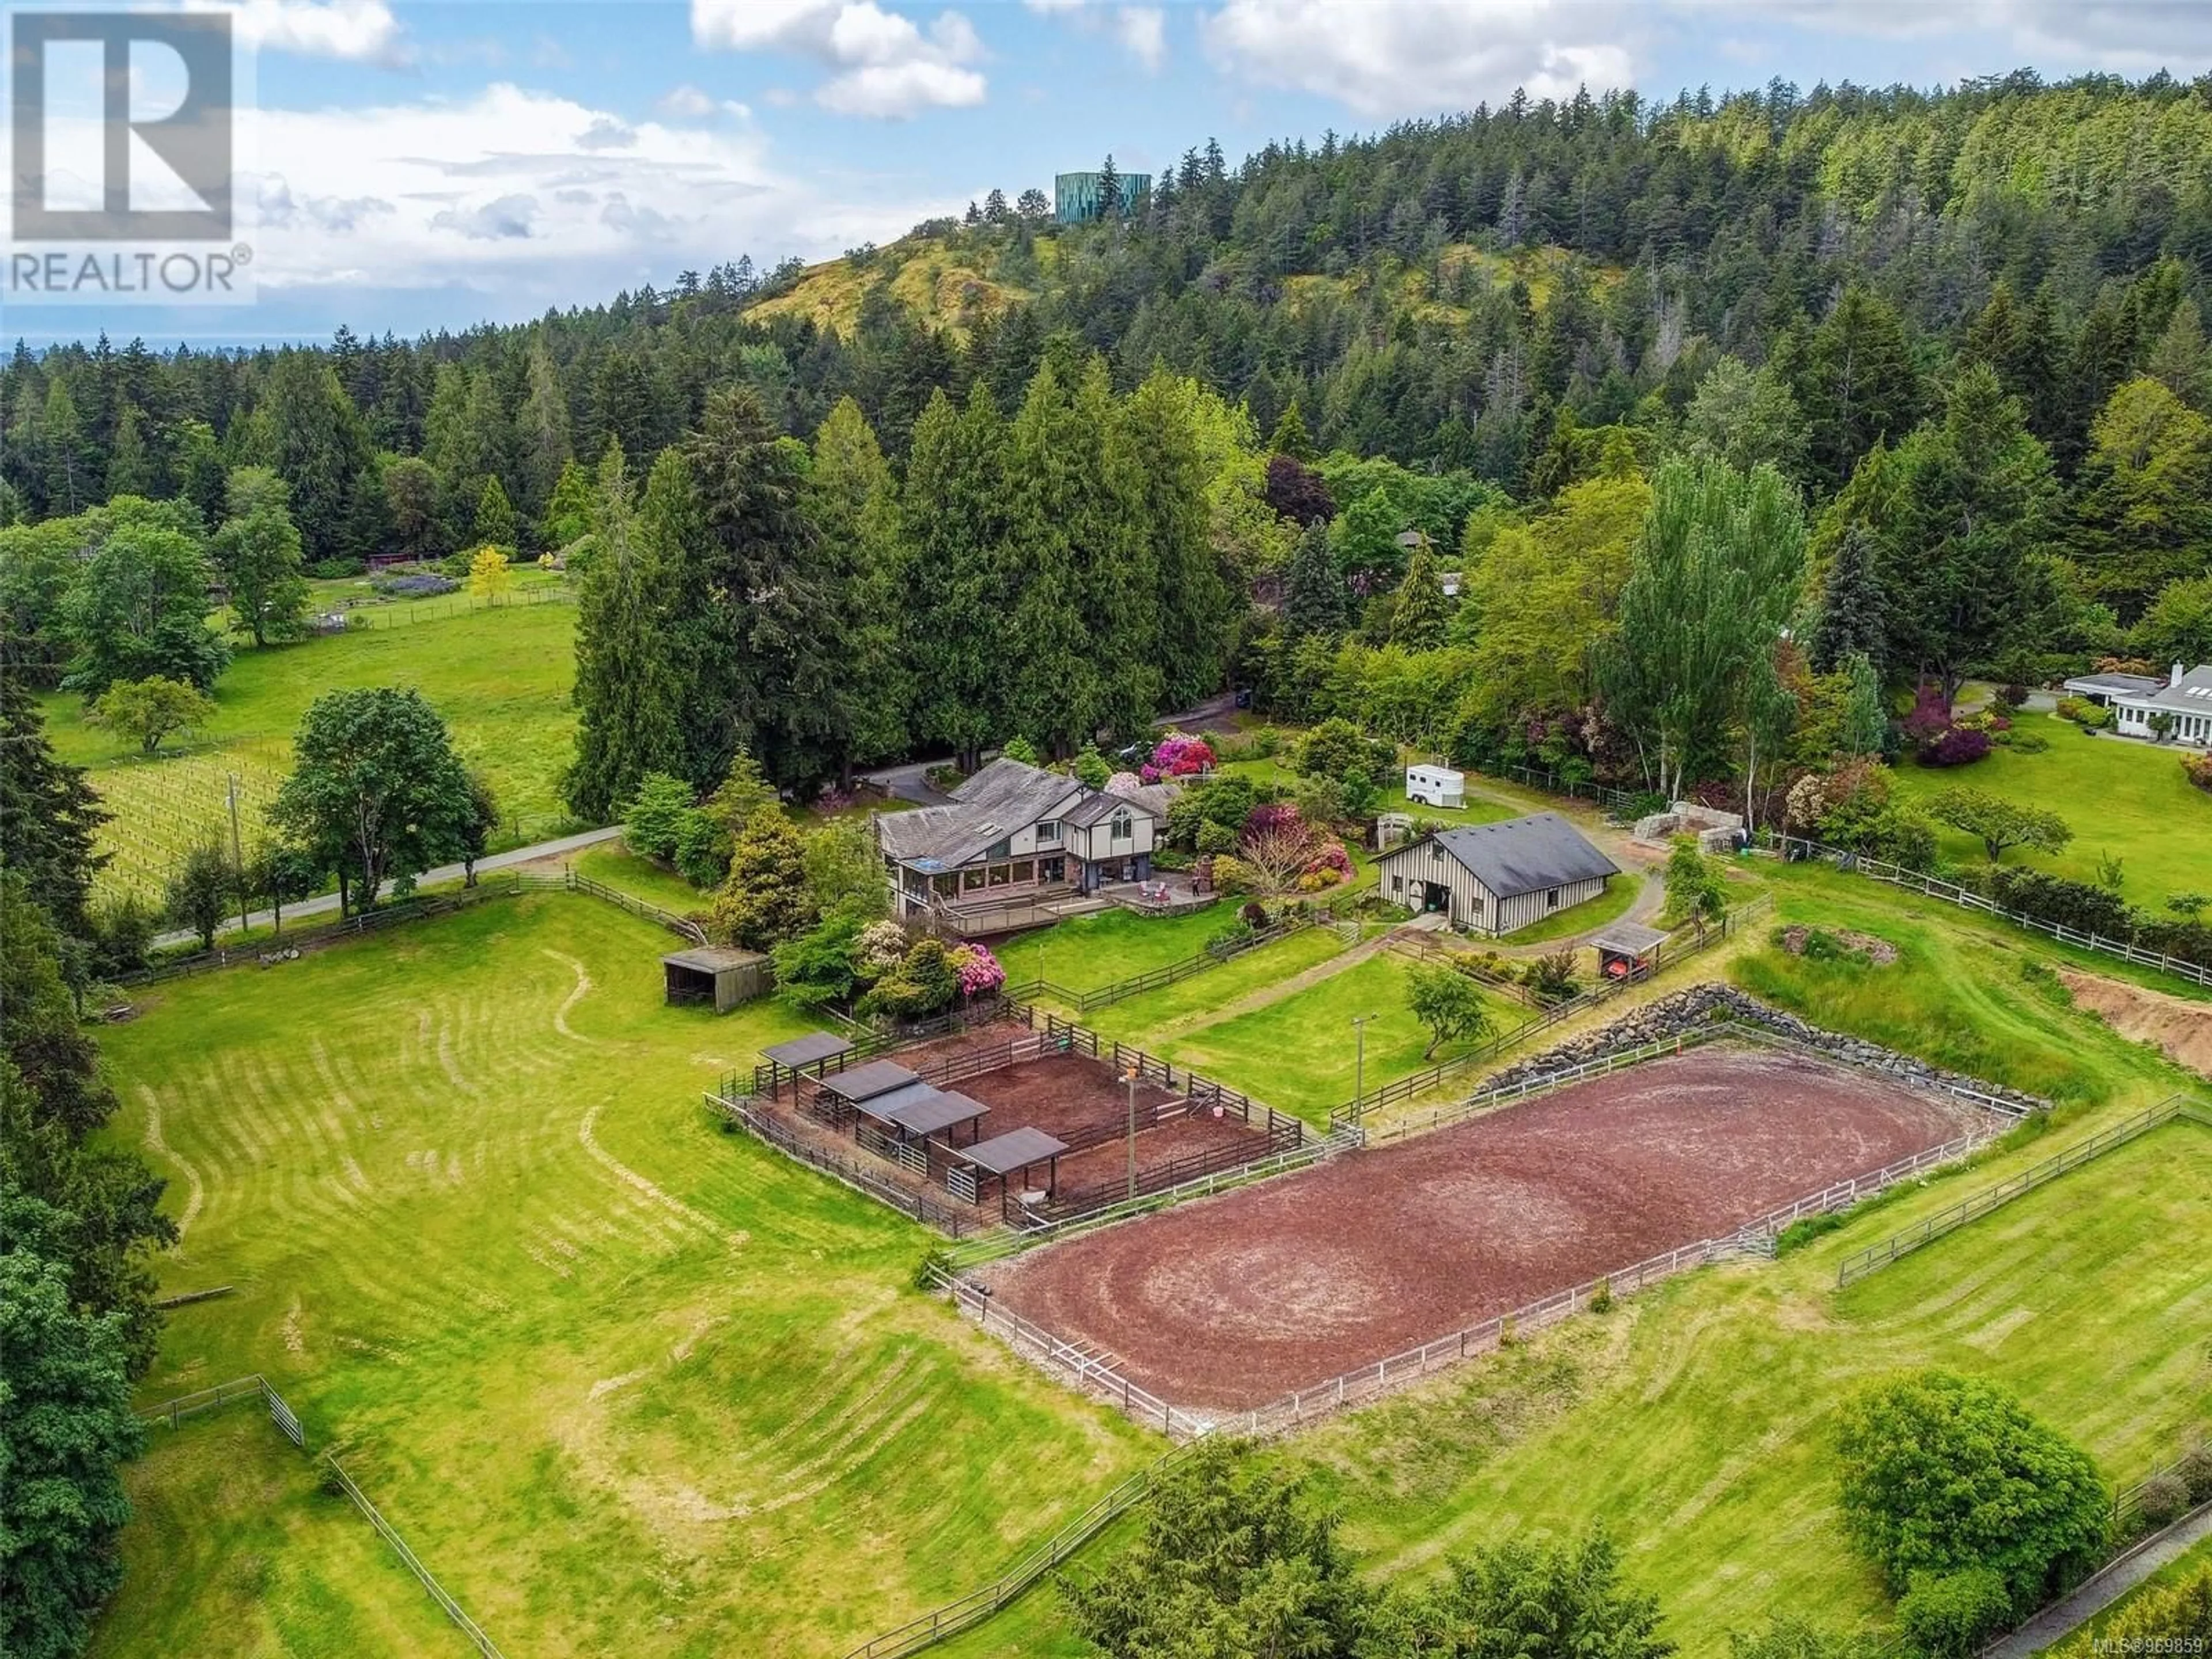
(1233, 1302)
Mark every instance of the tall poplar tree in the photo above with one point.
(1692, 660)
(627, 695)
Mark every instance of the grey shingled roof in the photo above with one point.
(1004, 797)
(2133, 684)
(878, 1077)
(1522, 855)
(2192, 696)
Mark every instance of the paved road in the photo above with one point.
(910, 781)
(2055, 1622)
(327, 902)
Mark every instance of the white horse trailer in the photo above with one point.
(1436, 786)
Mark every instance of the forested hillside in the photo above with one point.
(1964, 327)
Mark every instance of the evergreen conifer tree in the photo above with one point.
(1314, 597)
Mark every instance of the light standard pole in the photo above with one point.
(1359, 1062)
(1130, 1076)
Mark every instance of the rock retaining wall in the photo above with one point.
(1699, 1006)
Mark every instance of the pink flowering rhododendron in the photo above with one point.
(1122, 783)
(978, 970)
(1179, 756)
(1277, 817)
(1332, 861)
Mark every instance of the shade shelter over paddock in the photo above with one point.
(1016, 1152)
(710, 973)
(919, 1111)
(816, 1049)
(878, 1077)
(1628, 950)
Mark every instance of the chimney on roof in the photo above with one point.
(2176, 680)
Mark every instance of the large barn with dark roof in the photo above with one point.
(1497, 878)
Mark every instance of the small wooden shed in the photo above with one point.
(713, 973)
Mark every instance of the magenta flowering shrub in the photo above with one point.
(1179, 756)
(833, 800)
(1956, 747)
(1930, 717)
(1274, 817)
(977, 969)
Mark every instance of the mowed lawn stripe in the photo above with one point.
(607, 1426)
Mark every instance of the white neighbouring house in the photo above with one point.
(2183, 697)
(1013, 832)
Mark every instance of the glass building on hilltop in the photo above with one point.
(1075, 195)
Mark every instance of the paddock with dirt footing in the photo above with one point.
(1230, 1303)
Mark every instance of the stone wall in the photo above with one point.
(1700, 1006)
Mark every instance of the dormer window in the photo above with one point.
(1047, 832)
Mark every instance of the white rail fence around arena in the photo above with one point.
(1975, 1206)
(1099, 1376)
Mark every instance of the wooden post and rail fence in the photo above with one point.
(256, 1387)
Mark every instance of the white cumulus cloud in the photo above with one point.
(882, 64)
(1141, 31)
(1395, 58)
(355, 31)
(529, 199)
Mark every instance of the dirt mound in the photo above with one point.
(1800, 939)
(2182, 1028)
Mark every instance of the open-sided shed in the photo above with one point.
(1015, 1152)
(1628, 950)
(716, 973)
(794, 1058)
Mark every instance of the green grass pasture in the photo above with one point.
(2123, 797)
(628, 1384)
(500, 676)
(1299, 1055)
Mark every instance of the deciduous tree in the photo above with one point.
(1447, 1003)
(258, 552)
(1999, 823)
(146, 711)
(140, 608)
(375, 792)
(1942, 1474)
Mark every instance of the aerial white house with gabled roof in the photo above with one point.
(1014, 831)
(1496, 877)
(2185, 697)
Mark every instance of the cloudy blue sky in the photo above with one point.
(427, 165)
